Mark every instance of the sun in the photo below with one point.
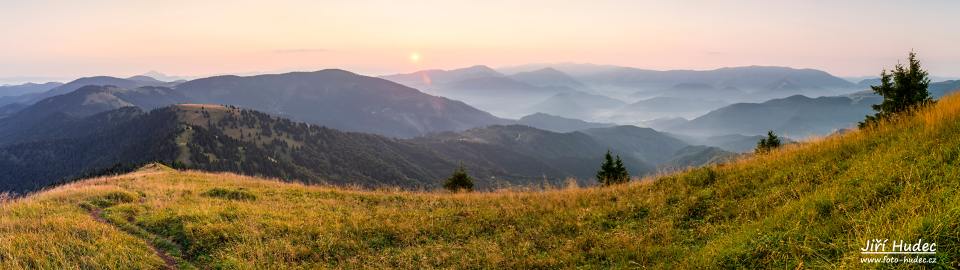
(415, 57)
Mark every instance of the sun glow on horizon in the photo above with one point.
(415, 57)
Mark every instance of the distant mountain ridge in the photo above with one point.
(558, 124)
(426, 79)
(61, 89)
(796, 116)
(660, 107)
(730, 84)
(489, 90)
(341, 100)
(578, 105)
(46, 118)
(546, 86)
(548, 77)
(940, 89)
(745, 77)
(27, 88)
(334, 98)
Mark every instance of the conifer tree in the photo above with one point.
(612, 171)
(902, 89)
(459, 181)
(769, 143)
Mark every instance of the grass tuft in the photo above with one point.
(231, 194)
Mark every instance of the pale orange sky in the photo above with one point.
(63, 39)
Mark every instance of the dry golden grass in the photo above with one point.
(810, 205)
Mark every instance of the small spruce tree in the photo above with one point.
(771, 142)
(605, 168)
(612, 171)
(902, 89)
(459, 181)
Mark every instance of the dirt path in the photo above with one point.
(168, 260)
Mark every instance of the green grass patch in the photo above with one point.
(231, 194)
(113, 198)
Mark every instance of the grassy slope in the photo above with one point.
(812, 204)
(191, 113)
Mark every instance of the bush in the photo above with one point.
(459, 181)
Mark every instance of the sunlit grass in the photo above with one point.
(811, 204)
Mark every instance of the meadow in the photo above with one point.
(807, 205)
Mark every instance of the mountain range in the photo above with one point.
(27, 88)
(557, 123)
(31, 98)
(328, 126)
(759, 81)
(548, 77)
(659, 107)
(796, 116)
(99, 128)
(334, 98)
(604, 93)
(488, 89)
(227, 138)
(341, 100)
(579, 105)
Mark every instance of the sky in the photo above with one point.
(67, 39)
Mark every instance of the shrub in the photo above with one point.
(459, 181)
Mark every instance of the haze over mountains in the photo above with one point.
(619, 94)
(626, 81)
(557, 123)
(486, 88)
(796, 116)
(334, 126)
